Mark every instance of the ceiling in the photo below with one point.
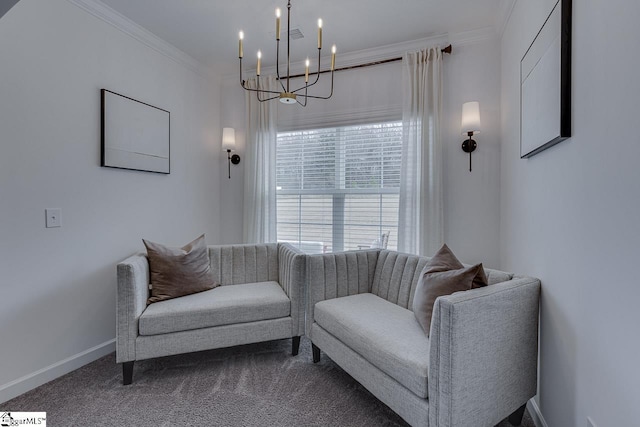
(207, 30)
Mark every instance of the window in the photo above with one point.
(338, 188)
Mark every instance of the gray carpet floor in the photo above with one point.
(250, 385)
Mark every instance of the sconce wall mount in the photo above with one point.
(229, 145)
(235, 159)
(469, 146)
(470, 126)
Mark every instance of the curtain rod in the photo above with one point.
(447, 49)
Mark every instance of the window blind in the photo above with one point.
(338, 188)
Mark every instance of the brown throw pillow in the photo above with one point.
(443, 275)
(176, 272)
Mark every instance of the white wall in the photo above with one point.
(472, 199)
(570, 216)
(57, 286)
(232, 114)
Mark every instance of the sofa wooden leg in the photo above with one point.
(127, 373)
(316, 353)
(295, 345)
(516, 418)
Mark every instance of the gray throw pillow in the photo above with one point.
(177, 272)
(443, 275)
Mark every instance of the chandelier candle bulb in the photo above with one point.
(319, 33)
(306, 72)
(240, 49)
(333, 57)
(258, 67)
(278, 24)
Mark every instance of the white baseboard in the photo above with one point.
(35, 379)
(535, 413)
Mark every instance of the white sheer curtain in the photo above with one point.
(260, 167)
(420, 223)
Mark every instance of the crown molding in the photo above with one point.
(381, 53)
(505, 9)
(6, 6)
(471, 37)
(144, 36)
(388, 51)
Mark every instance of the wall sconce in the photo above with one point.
(470, 126)
(229, 145)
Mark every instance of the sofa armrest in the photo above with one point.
(337, 275)
(484, 353)
(132, 294)
(292, 276)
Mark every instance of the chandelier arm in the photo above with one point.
(262, 91)
(243, 85)
(305, 97)
(318, 72)
(288, 43)
(300, 88)
(284, 89)
(258, 90)
(319, 97)
(317, 75)
(323, 97)
(268, 99)
(278, 64)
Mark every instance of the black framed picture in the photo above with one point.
(545, 84)
(135, 135)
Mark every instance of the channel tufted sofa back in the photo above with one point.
(235, 264)
(388, 274)
(396, 277)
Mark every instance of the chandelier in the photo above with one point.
(288, 95)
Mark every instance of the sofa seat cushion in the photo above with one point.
(383, 333)
(224, 305)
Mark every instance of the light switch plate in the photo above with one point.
(54, 217)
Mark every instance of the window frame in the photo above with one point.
(340, 193)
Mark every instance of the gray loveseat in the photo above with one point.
(479, 364)
(261, 299)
